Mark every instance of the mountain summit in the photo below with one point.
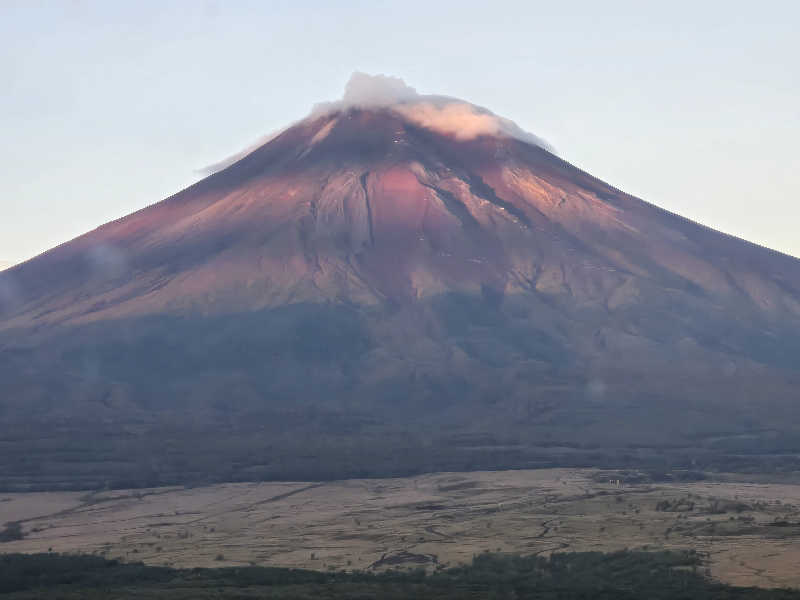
(407, 275)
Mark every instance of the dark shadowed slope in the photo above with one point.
(372, 293)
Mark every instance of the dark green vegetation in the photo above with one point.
(588, 575)
(103, 456)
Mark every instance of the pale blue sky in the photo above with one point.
(109, 106)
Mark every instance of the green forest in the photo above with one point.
(585, 575)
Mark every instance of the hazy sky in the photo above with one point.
(109, 106)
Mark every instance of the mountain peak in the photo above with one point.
(391, 97)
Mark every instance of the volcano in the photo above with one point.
(396, 283)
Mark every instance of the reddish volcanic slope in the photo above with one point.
(363, 207)
(391, 274)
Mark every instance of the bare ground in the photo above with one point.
(749, 532)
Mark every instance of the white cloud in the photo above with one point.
(377, 90)
(458, 119)
(450, 116)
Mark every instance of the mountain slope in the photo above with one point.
(409, 274)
